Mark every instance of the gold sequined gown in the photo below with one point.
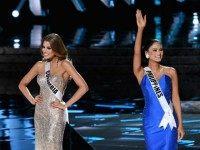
(49, 122)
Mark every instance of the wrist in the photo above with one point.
(141, 29)
(66, 105)
(32, 102)
(180, 125)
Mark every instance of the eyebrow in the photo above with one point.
(157, 48)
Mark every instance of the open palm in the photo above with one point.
(141, 21)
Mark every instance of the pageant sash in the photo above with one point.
(54, 89)
(168, 117)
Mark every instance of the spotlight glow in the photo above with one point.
(16, 40)
(16, 45)
(15, 13)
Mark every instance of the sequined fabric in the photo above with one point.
(49, 121)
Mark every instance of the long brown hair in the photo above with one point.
(57, 45)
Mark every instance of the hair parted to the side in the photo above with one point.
(57, 45)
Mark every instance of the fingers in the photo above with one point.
(181, 135)
(38, 99)
(140, 19)
(57, 104)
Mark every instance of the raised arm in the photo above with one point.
(26, 80)
(141, 23)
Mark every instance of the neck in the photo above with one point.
(154, 66)
(54, 59)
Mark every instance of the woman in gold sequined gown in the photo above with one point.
(49, 111)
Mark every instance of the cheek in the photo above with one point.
(42, 50)
(152, 53)
(51, 52)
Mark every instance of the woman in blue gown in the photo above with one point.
(161, 130)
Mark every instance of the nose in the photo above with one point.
(44, 50)
(158, 52)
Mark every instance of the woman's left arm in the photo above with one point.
(176, 102)
(80, 82)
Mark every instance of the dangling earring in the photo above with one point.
(147, 56)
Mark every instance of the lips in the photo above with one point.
(45, 54)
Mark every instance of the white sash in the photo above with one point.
(168, 117)
(54, 90)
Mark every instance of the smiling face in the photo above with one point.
(155, 52)
(47, 51)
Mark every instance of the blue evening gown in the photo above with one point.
(157, 138)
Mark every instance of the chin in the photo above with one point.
(46, 57)
(157, 60)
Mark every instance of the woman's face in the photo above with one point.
(155, 52)
(47, 51)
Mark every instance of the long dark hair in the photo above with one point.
(57, 45)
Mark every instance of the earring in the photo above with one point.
(147, 56)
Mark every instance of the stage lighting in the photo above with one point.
(79, 5)
(178, 21)
(195, 19)
(16, 40)
(181, 1)
(194, 32)
(129, 39)
(195, 38)
(15, 13)
(108, 3)
(16, 45)
(157, 2)
(108, 39)
(36, 36)
(35, 7)
(158, 33)
(130, 2)
(79, 36)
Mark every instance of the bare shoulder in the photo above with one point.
(39, 65)
(170, 71)
(66, 63)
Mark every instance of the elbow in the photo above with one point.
(21, 86)
(86, 88)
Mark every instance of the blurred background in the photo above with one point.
(99, 35)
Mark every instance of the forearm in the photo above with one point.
(177, 107)
(137, 52)
(138, 41)
(25, 91)
(77, 95)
